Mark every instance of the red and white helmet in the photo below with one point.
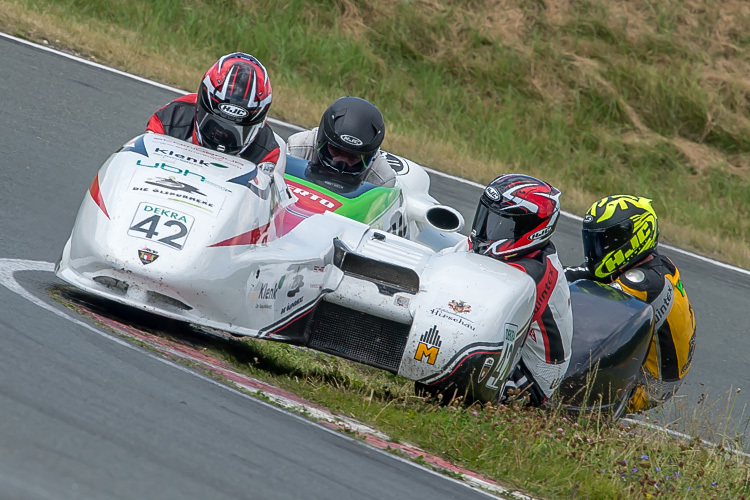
(233, 102)
(516, 215)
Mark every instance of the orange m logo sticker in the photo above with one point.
(423, 350)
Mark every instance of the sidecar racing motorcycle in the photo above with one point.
(355, 271)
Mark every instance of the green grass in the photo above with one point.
(598, 97)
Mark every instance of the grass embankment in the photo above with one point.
(597, 97)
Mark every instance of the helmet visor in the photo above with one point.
(492, 226)
(342, 161)
(224, 135)
(598, 243)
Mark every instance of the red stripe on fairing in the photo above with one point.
(478, 353)
(96, 194)
(257, 235)
(261, 234)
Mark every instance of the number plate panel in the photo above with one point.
(161, 225)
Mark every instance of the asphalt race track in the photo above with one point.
(82, 416)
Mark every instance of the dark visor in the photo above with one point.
(597, 243)
(343, 167)
(490, 226)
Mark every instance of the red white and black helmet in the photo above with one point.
(516, 214)
(233, 102)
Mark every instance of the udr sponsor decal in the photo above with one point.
(429, 346)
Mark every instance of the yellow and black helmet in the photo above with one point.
(618, 231)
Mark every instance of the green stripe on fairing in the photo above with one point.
(366, 208)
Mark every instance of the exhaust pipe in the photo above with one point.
(444, 218)
(440, 217)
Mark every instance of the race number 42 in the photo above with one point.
(161, 225)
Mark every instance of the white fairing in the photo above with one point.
(192, 234)
(428, 222)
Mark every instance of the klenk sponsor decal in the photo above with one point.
(161, 225)
(192, 154)
(169, 153)
(266, 293)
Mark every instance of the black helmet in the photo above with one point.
(618, 231)
(233, 102)
(349, 136)
(516, 214)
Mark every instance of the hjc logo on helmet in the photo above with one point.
(540, 234)
(233, 110)
(492, 193)
(350, 139)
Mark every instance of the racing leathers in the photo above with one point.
(545, 354)
(302, 145)
(177, 119)
(656, 280)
